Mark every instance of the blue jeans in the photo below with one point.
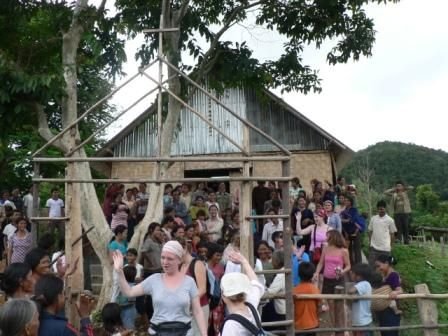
(128, 315)
(387, 318)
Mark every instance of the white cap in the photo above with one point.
(235, 283)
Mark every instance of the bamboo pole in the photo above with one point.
(216, 100)
(91, 136)
(167, 180)
(204, 158)
(200, 116)
(34, 227)
(93, 107)
(287, 241)
(339, 312)
(246, 230)
(402, 327)
(369, 297)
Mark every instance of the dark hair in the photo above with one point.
(151, 228)
(276, 235)
(376, 280)
(278, 258)
(46, 242)
(364, 271)
(13, 275)
(350, 198)
(167, 210)
(120, 229)
(167, 219)
(188, 227)
(213, 206)
(381, 204)
(276, 203)
(129, 189)
(130, 272)
(201, 212)
(386, 259)
(175, 229)
(47, 289)
(261, 242)
(399, 182)
(214, 248)
(306, 271)
(202, 244)
(169, 185)
(199, 197)
(132, 251)
(54, 189)
(111, 316)
(34, 257)
(339, 178)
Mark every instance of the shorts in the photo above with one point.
(329, 285)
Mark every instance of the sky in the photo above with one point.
(400, 93)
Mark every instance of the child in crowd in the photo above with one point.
(277, 238)
(112, 323)
(306, 311)
(127, 305)
(131, 257)
(361, 313)
(379, 288)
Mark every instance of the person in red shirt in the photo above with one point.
(306, 311)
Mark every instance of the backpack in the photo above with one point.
(255, 330)
(213, 290)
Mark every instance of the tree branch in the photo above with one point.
(181, 12)
(228, 23)
(101, 7)
(44, 129)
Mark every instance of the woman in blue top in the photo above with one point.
(352, 226)
(119, 242)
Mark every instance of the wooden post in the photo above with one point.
(433, 242)
(339, 311)
(427, 310)
(34, 226)
(442, 246)
(246, 233)
(287, 241)
(73, 230)
(424, 236)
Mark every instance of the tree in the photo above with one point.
(56, 58)
(224, 63)
(427, 199)
(88, 34)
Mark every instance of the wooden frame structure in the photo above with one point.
(246, 159)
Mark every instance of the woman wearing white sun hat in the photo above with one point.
(239, 291)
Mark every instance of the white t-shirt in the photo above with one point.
(231, 327)
(232, 268)
(55, 207)
(9, 231)
(381, 229)
(28, 204)
(268, 229)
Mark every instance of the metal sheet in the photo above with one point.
(194, 137)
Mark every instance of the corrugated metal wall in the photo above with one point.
(281, 124)
(196, 138)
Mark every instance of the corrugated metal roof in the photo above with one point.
(264, 110)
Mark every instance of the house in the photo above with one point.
(315, 153)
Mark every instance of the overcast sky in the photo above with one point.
(399, 94)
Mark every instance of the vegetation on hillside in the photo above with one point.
(392, 161)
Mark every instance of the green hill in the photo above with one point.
(392, 161)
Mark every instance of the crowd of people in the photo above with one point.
(189, 278)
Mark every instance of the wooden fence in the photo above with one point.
(426, 303)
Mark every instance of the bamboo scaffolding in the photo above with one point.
(216, 100)
(167, 180)
(200, 116)
(96, 132)
(402, 327)
(89, 110)
(164, 159)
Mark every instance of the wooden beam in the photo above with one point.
(204, 158)
(35, 204)
(167, 180)
(287, 246)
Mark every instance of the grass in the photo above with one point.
(413, 269)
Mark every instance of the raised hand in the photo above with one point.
(118, 260)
